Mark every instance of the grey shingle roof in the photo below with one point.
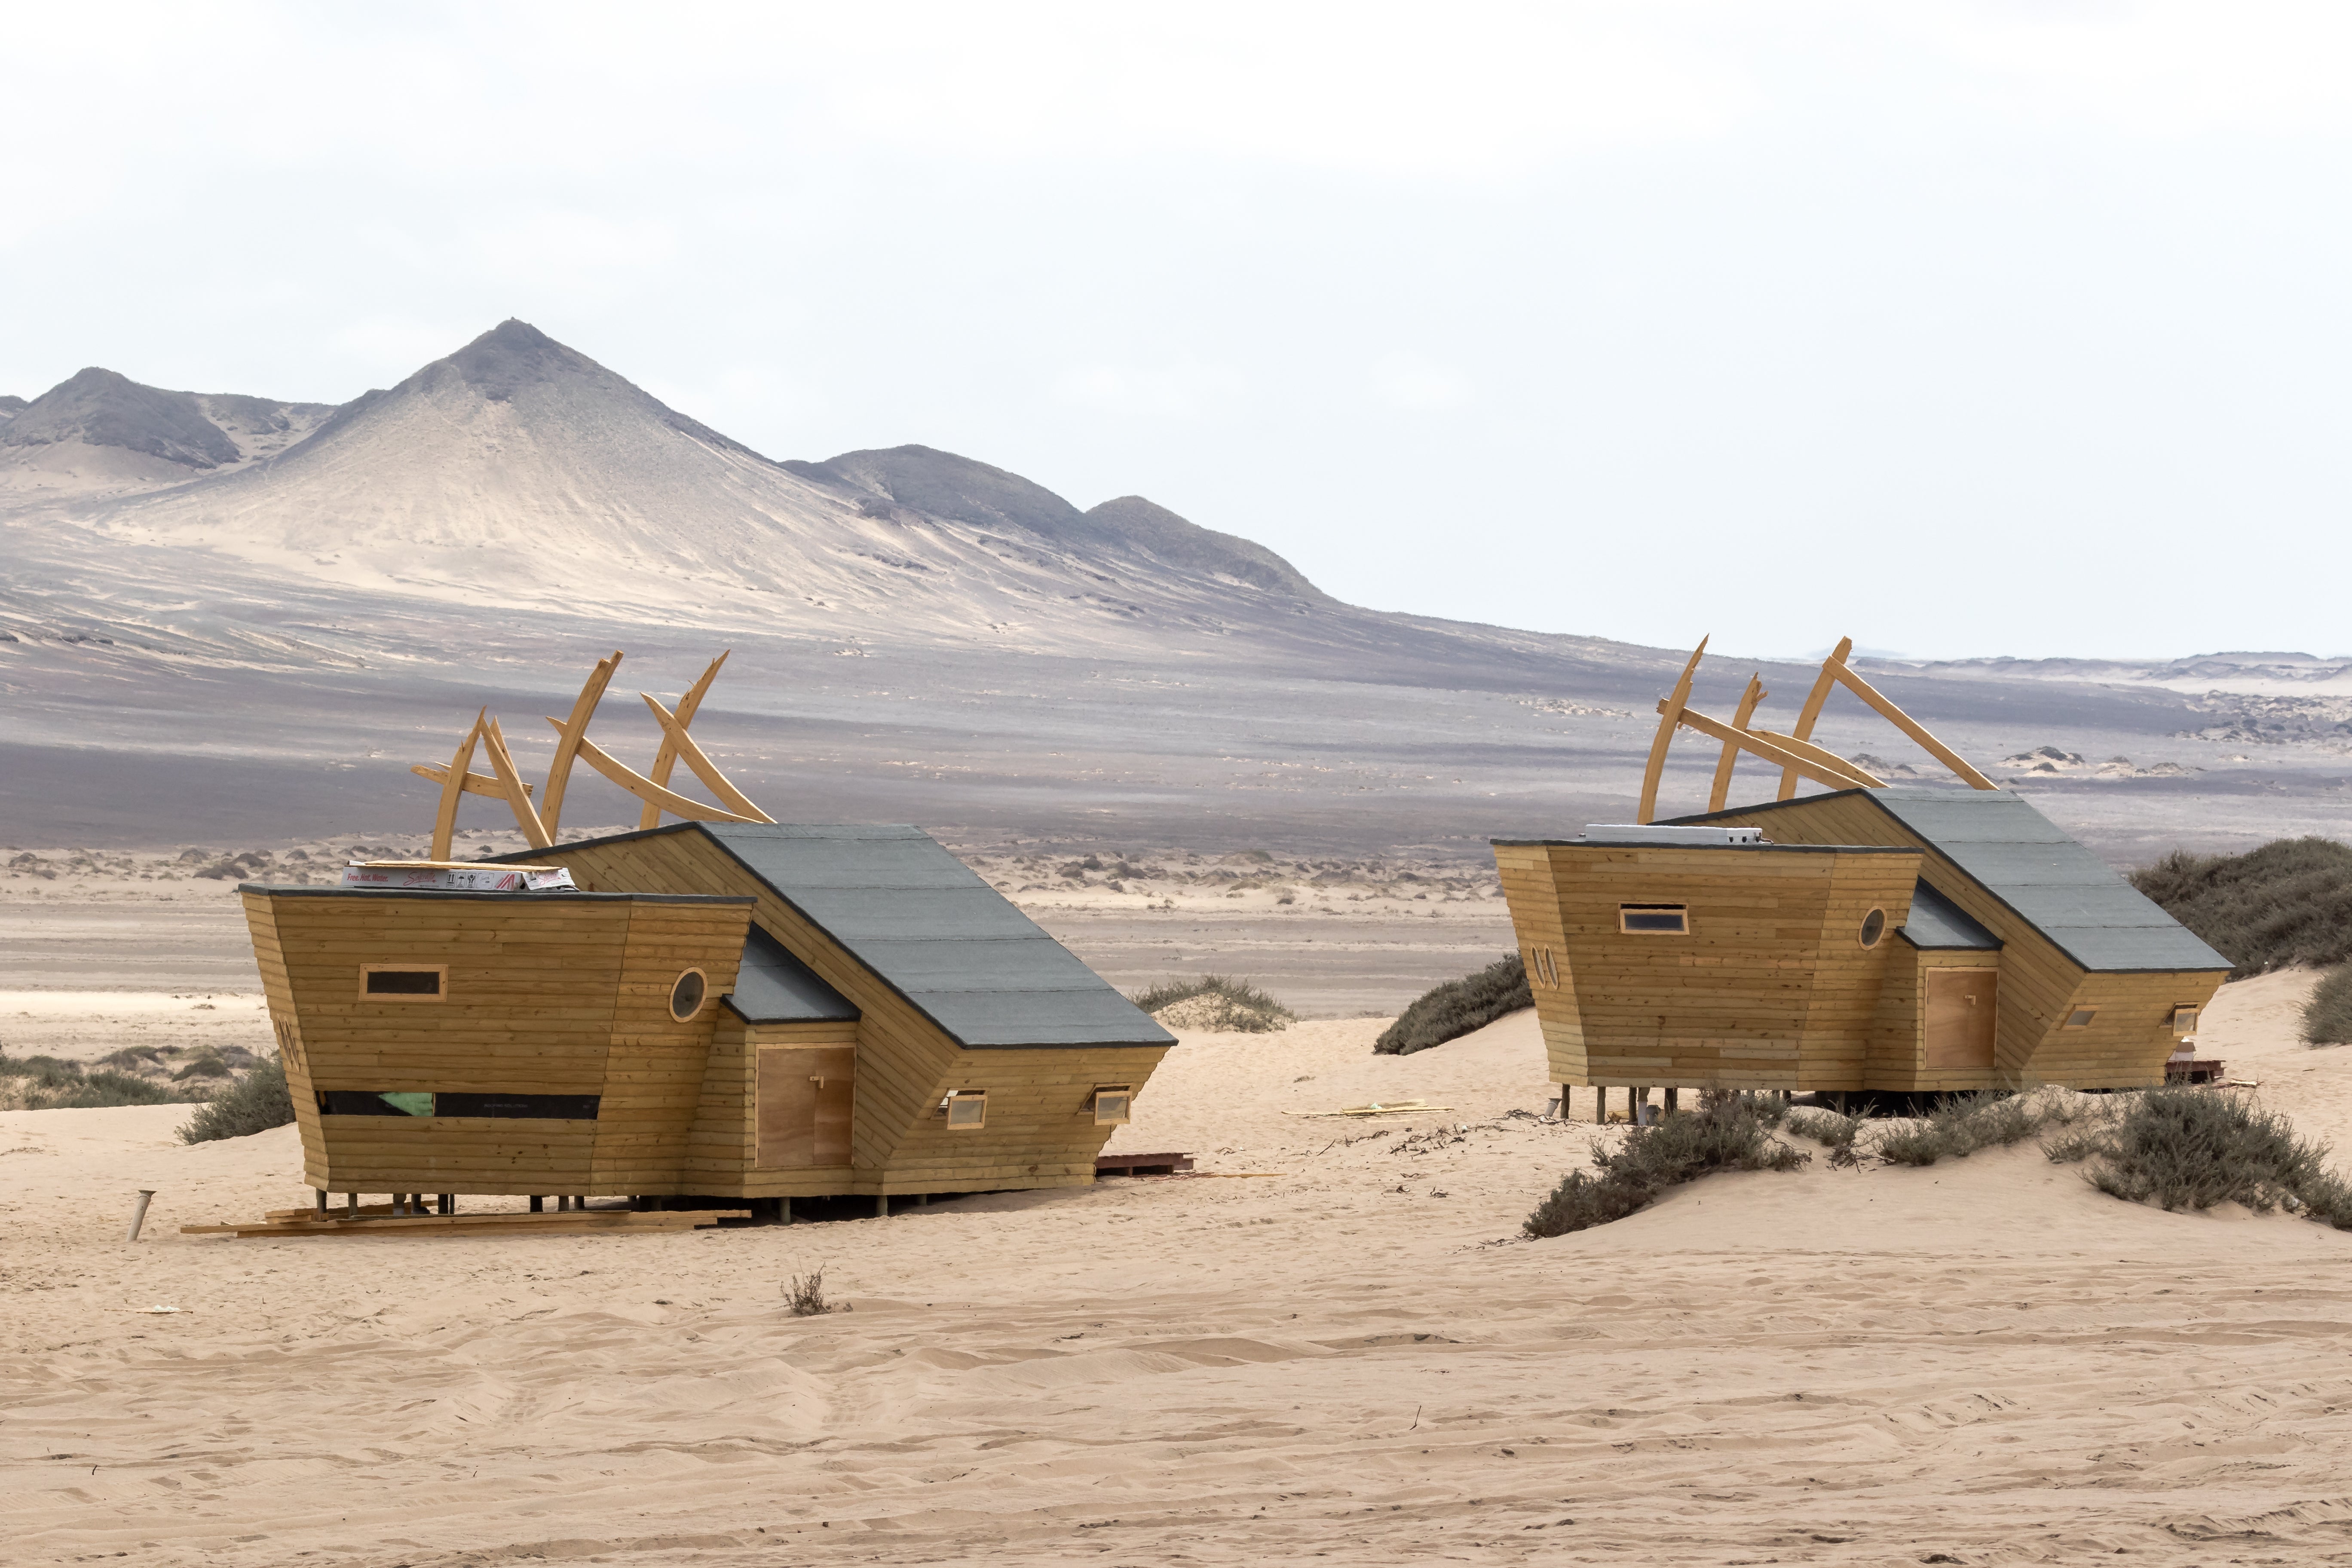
(774, 987)
(2028, 862)
(928, 928)
(1935, 921)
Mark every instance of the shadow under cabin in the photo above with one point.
(761, 1011)
(1900, 938)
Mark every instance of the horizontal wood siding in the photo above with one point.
(654, 1072)
(1533, 895)
(725, 1146)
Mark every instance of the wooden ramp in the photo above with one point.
(576, 1222)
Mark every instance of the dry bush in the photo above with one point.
(2327, 1017)
(1828, 1127)
(1964, 1124)
(1728, 1131)
(2288, 902)
(2190, 1147)
(1448, 1012)
(254, 1103)
(48, 1083)
(1215, 1002)
(805, 1295)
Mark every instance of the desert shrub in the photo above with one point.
(1448, 1012)
(1728, 1131)
(2186, 1147)
(805, 1295)
(2327, 1017)
(2288, 902)
(1833, 1131)
(1215, 1002)
(1919, 1144)
(50, 1083)
(254, 1103)
(1964, 1124)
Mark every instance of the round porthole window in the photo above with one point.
(686, 996)
(1874, 926)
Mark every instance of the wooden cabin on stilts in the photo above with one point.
(723, 1007)
(1873, 938)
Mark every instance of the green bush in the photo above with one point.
(1728, 1131)
(1217, 1002)
(1450, 1011)
(2288, 902)
(2188, 1147)
(254, 1103)
(2327, 1017)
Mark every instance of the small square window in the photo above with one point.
(404, 981)
(1653, 920)
(966, 1109)
(2184, 1019)
(1111, 1105)
(2080, 1018)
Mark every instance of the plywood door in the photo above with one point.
(1960, 1022)
(806, 1094)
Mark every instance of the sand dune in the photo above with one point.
(1987, 1360)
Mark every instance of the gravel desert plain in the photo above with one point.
(1330, 1338)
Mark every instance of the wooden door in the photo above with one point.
(805, 1096)
(1960, 1008)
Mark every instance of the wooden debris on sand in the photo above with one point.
(377, 1221)
(1392, 1108)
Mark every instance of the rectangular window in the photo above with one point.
(2080, 1018)
(1653, 920)
(1111, 1105)
(966, 1109)
(403, 982)
(416, 1102)
(2184, 1019)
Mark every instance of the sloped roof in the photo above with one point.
(2056, 886)
(932, 931)
(1935, 922)
(774, 987)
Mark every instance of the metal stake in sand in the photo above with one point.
(139, 1215)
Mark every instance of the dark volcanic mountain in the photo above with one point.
(98, 432)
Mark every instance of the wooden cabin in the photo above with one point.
(742, 1010)
(1892, 939)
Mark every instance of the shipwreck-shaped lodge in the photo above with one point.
(1873, 938)
(724, 1006)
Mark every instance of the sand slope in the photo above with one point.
(1987, 1360)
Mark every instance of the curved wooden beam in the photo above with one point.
(644, 789)
(1775, 749)
(666, 758)
(704, 768)
(1911, 727)
(476, 783)
(1672, 709)
(1811, 713)
(1821, 757)
(1748, 701)
(559, 771)
(444, 820)
(518, 794)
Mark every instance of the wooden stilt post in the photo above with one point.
(1600, 1104)
(881, 1206)
(322, 1201)
(1673, 1097)
(537, 1203)
(784, 1211)
(351, 1205)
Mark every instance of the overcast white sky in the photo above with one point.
(1960, 329)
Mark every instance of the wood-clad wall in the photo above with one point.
(1771, 987)
(543, 996)
(1532, 894)
(906, 1063)
(2039, 984)
(726, 1132)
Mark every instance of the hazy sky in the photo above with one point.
(1960, 329)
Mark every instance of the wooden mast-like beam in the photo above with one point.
(1748, 701)
(444, 820)
(644, 789)
(1811, 762)
(666, 759)
(476, 783)
(1671, 709)
(518, 794)
(1908, 725)
(1821, 757)
(706, 770)
(1810, 714)
(559, 771)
